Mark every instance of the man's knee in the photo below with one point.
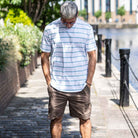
(56, 122)
(85, 122)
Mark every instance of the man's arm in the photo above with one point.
(46, 66)
(91, 66)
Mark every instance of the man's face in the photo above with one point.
(69, 22)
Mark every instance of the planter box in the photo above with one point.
(9, 85)
(12, 78)
(24, 72)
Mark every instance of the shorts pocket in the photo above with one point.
(86, 90)
(49, 89)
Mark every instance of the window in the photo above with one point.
(130, 7)
(100, 5)
(116, 6)
(93, 7)
(107, 5)
(86, 7)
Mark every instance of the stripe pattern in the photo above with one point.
(68, 48)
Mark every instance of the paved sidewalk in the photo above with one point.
(26, 115)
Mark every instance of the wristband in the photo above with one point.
(89, 83)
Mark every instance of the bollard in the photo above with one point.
(108, 57)
(124, 77)
(99, 60)
(95, 30)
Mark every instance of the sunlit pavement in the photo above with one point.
(26, 115)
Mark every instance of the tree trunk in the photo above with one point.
(41, 9)
(29, 8)
(34, 9)
(25, 5)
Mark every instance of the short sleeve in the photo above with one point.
(91, 44)
(46, 42)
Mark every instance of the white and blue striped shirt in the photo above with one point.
(68, 48)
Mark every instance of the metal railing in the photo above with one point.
(124, 72)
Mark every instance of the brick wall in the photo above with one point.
(12, 78)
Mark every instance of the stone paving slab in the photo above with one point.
(26, 115)
(118, 122)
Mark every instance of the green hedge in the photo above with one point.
(16, 15)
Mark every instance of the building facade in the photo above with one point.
(92, 6)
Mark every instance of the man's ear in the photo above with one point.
(77, 14)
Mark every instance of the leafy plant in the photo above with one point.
(17, 15)
(83, 13)
(24, 41)
(107, 15)
(5, 5)
(4, 56)
(121, 11)
(98, 14)
(30, 39)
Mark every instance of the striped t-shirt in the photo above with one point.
(68, 48)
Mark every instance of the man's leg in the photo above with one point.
(56, 128)
(85, 128)
(57, 103)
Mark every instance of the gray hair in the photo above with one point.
(68, 10)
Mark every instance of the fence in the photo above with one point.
(124, 89)
(124, 67)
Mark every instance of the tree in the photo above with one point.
(51, 12)
(5, 5)
(98, 14)
(42, 12)
(121, 11)
(16, 15)
(83, 13)
(34, 8)
(107, 16)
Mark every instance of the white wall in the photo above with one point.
(113, 5)
(127, 5)
(83, 4)
(121, 3)
(89, 6)
(96, 3)
(134, 5)
(103, 6)
(78, 3)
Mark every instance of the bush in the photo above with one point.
(98, 14)
(121, 11)
(22, 42)
(17, 15)
(107, 15)
(83, 13)
(30, 39)
(3, 54)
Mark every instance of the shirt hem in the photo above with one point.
(66, 91)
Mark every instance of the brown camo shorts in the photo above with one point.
(79, 103)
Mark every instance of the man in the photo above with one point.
(67, 41)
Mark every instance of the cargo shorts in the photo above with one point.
(79, 103)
